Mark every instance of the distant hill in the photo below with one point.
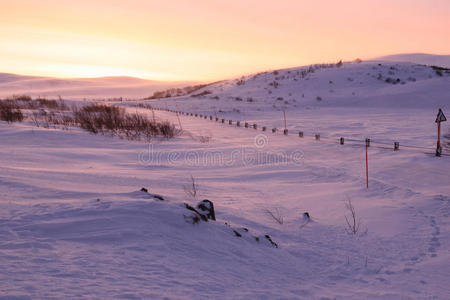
(420, 58)
(90, 88)
(368, 84)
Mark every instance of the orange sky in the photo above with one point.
(210, 39)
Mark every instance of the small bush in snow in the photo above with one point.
(276, 215)
(9, 113)
(353, 222)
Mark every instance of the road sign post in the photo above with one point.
(439, 118)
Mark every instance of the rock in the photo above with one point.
(207, 208)
(144, 190)
(237, 233)
(158, 197)
(198, 214)
(270, 240)
(306, 216)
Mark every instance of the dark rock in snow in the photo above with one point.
(237, 233)
(199, 215)
(270, 240)
(158, 197)
(207, 207)
(144, 190)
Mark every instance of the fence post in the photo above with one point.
(317, 137)
(274, 130)
(264, 128)
(396, 146)
(300, 134)
(341, 141)
(285, 132)
(238, 123)
(255, 126)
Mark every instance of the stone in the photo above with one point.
(207, 208)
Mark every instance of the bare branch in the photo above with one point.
(275, 215)
(353, 222)
(191, 190)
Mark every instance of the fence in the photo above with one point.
(394, 146)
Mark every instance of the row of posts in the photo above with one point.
(264, 128)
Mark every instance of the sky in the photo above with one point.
(208, 40)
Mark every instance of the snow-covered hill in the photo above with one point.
(367, 84)
(420, 58)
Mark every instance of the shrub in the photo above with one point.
(10, 113)
(204, 93)
(166, 129)
(114, 120)
(25, 102)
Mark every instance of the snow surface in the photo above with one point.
(75, 225)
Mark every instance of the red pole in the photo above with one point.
(367, 169)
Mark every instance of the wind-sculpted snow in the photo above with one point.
(74, 222)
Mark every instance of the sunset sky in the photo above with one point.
(210, 39)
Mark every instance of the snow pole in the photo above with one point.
(367, 163)
(153, 114)
(284, 114)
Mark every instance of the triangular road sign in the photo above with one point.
(440, 116)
